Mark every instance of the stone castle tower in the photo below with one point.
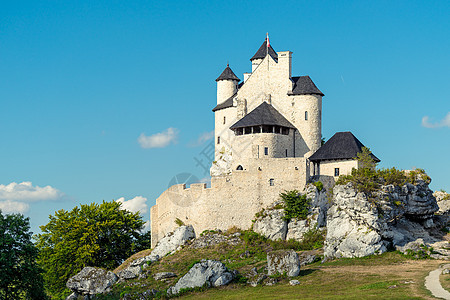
(269, 115)
(268, 131)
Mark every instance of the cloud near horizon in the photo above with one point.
(15, 197)
(445, 122)
(158, 140)
(137, 204)
(205, 136)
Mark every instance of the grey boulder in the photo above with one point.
(207, 272)
(283, 262)
(91, 281)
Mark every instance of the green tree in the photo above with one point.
(97, 235)
(20, 276)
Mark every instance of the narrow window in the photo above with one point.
(266, 151)
(286, 152)
(306, 116)
(336, 171)
(224, 119)
(271, 182)
(218, 140)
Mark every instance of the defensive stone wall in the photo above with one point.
(232, 200)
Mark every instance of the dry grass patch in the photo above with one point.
(135, 256)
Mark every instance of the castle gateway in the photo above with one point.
(268, 135)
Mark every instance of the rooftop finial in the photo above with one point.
(267, 38)
(228, 64)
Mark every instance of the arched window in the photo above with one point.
(218, 140)
(224, 120)
(306, 116)
(239, 168)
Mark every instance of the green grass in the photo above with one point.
(369, 277)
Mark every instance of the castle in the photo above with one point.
(268, 139)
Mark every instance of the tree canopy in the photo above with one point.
(96, 235)
(20, 276)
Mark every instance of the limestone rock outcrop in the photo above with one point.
(283, 262)
(271, 224)
(443, 201)
(207, 272)
(358, 226)
(168, 244)
(222, 166)
(91, 281)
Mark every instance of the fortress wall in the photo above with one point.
(231, 201)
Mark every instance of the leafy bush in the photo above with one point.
(318, 185)
(296, 205)
(368, 179)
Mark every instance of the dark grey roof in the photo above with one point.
(262, 52)
(227, 103)
(303, 85)
(264, 114)
(228, 74)
(342, 145)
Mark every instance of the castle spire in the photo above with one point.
(228, 74)
(265, 49)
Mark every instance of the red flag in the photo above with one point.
(268, 43)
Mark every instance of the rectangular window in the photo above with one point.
(266, 151)
(336, 171)
(306, 116)
(218, 140)
(271, 182)
(224, 120)
(286, 152)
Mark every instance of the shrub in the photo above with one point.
(179, 222)
(296, 205)
(318, 185)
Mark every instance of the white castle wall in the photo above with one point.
(232, 200)
(345, 167)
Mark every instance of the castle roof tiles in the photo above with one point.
(227, 103)
(264, 114)
(228, 74)
(262, 52)
(342, 145)
(303, 85)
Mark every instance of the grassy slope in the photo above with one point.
(389, 276)
(370, 277)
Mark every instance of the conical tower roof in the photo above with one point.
(228, 74)
(262, 52)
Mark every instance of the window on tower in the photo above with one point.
(306, 116)
(266, 151)
(224, 120)
(336, 171)
(218, 140)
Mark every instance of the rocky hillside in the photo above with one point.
(342, 222)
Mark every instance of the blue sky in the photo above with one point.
(81, 81)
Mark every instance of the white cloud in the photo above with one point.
(137, 204)
(445, 122)
(159, 140)
(9, 206)
(14, 197)
(205, 136)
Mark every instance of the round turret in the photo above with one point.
(226, 85)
